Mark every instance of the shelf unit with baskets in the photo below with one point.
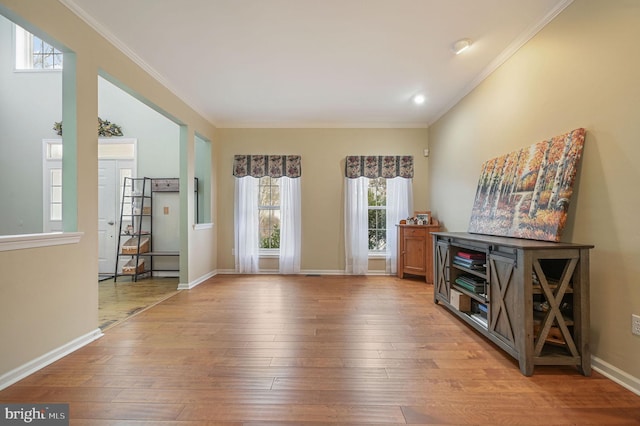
(135, 236)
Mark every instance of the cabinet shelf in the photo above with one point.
(559, 336)
(475, 296)
(478, 273)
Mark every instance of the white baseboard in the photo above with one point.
(622, 378)
(192, 284)
(323, 272)
(303, 272)
(39, 363)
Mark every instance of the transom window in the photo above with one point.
(33, 53)
(377, 218)
(269, 212)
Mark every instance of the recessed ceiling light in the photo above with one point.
(419, 99)
(461, 45)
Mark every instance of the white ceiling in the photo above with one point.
(318, 63)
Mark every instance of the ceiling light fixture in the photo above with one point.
(419, 99)
(461, 45)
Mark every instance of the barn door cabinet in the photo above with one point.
(531, 298)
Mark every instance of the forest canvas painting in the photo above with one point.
(526, 193)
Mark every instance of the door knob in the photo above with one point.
(111, 222)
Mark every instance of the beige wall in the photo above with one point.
(582, 70)
(49, 296)
(323, 152)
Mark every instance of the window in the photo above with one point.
(31, 215)
(269, 212)
(377, 215)
(33, 53)
(203, 176)
(52, 186)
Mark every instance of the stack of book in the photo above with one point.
(473, 284)
(479, 313)
(470, 260)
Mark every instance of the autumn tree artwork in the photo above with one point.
(526, 193)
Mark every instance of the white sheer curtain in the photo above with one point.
(290, 219)
(246, 224)
(399, 206)
(356, 225)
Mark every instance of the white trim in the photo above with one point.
(526, 35)
(323, 272)
(308, 272)
(192, 284)
(201, 226)
(318, 125)
(126, 50)
(31, 367)
(269, 253)
(611, 372)
(377, 254)
(27, 241)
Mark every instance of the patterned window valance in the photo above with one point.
(274, 166)
(386, 166)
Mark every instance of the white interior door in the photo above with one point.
(107, 215)
(111, 175)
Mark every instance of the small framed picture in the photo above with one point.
(424, 218)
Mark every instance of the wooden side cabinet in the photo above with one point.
(531, 298)
(415, 250)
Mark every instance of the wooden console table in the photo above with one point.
(535, 299)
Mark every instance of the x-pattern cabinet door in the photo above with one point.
(504, 297)
(442, 285)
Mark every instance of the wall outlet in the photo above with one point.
(635, 324)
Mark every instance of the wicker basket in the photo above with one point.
(130, 269)
(131, 245)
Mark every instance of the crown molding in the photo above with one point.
(316, 125)
(122, 47)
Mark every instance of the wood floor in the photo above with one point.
(118, 301)
(274, 350)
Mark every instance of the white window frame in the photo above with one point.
(23, 52)
(267, 252)
(381, 252)
(204, 216)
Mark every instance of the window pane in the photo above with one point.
(116, 150)
(54, 151)
(56, 177)
(377, 199)
(275, 194)
(37, 45)
(269, 212)
(34, 53)
(56, 194)
(56, 211)
(203, 176)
